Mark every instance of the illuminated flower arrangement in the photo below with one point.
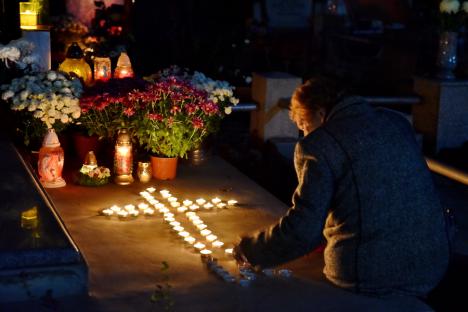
(43, 101)
(94, 176)
(172, 117)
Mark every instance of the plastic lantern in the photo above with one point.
(75, 64)
(50, 164)
(28, 15)
(123, 159)
(90, 161)
(102, 68)
(124, 67)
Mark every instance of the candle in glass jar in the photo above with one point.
(205, 252)
(129, 207)
(148, 211)
(108, 212)
(115, 208)
(190, 213)
(196, 222)
(169, 219)
(159, 206)
(122, 214)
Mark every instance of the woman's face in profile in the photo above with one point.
(307, 120)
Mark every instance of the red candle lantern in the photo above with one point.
(102, 68)
(50, 164)
(123, 159)
(124, 67)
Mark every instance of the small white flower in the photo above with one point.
(7, 95)
(228, 110)
(24, 95)
(51, 76)
(64, 118)
(51, 112)
(76, 114)
(234, 101)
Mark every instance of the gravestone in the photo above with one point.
(442, 116)
(271, 120)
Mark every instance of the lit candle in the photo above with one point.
(164, 210)
(164, 192)
(208, 205)
(169, 219)
(108, 212)
(221, 205)
(148, 211)
(216, 200)
(151, 189)
(205, 252)
(184, 234)
(144, 193)
(122, 214)
(217, 243)
(232, 202)
(169, 214)
(182, 209)
(166, 195)
(190, 239)
(194, 217)
(178, 228)
(134, 213)
(142, 206)
(205, 232)
(200, 201)
(211, 237)
(201, 226)
(229, 251)
(196, 222)
(174, 223)
(194, 207)
(190, 213)
(175, 204)
(187, 202)
(159, 206)
(199, 245)
(129, 207)
(153, 201)
(115, 208)
(172, 199)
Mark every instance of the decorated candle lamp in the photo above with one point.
(124, 67)
(28, 15)
(102, 68)
(123, 158)
(75, 64)
(51, 159)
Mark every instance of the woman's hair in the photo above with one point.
(318, 93)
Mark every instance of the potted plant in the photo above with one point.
(43, 101)
(106, 109)
(171, 118)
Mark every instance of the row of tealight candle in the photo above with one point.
(170, 218)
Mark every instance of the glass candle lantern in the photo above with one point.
(123, 159)
(102, 68)
(28, 15)
(124, 67)
(76, 65)
(51, 159)
(144, 171)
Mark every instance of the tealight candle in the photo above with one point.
(115, 208)
(208, 205)
(201, 226)
(122, 213)
(187, 202)
(190, 239)
(216, 200)
(143, 206)
(159, 206)
(198, 221)
(232, 202)
(205, 252)
(129, 207)
(182, 209)
(194, 207)
(174, 223)
(169, 219)
(178, 228)
(190, 213)
(184, 234)
(229, 251)
(148, 211)
(175, 204)
(211, 237)
(108, 212)
(164, 192)
(172, 199)
(194, 217)
(153, 201)
(200, 201)
(168, 214)
(134, 213)
(166, 195)
(144, 193)
(199, 245)
(151, 189)
(164, 210)
(217, 243)
(205, 232)
(221, 205)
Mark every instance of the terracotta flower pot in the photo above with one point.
(164, 168)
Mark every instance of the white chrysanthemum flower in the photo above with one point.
(10, 53)
(7, 95)
(76, 114)
(64, 118)
(38, 114)
(24, 95)
(234, 101)
(51, 76)
(32, 107)
(228, 110)
(51, 112)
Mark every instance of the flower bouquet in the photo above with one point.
(43, 101)
(93, 176)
